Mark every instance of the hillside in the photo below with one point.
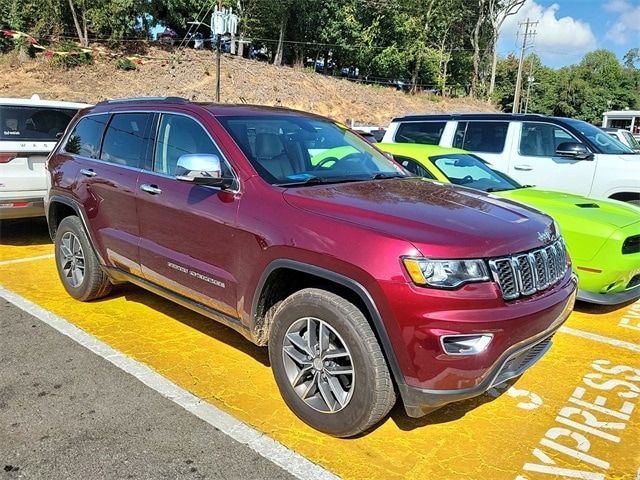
(242, 81)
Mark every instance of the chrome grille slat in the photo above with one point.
(528, 273)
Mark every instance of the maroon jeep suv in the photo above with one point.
(364, 281)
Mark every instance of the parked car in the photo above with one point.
(602, 236)
(168, 36)
(624, 136)
(551, 152)
(29, 128)
(372, 133)
(363, 281)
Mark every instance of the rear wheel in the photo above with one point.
(78, 267)
(328, 364)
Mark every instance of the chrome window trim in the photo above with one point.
(160, 112)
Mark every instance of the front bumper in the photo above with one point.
(609, 298)
(610, 277)
(513, 363)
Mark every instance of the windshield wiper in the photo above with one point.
(313, 180)
(308, 180)
(491, 190)
(384, 176)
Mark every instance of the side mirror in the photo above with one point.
(575, 150)
(202, 169)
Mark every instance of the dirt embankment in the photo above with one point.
(193, 76)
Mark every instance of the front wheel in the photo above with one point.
(328, 364)
(78, 267)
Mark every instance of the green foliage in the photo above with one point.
(6, 44)
(442, 45)
(600, 82)
(126, 64)
(72, 59)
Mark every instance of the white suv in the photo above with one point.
(551, 152)
(29, 129)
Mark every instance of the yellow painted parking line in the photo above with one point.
(24, 238)
(576, 413)
(622, 323)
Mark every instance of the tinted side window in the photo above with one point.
(479, 136)
(542, 139)
(413, 166)
(86, 136)
(179, 135)
(420, 132)
(126, 140)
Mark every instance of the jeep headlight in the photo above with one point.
(445, 273)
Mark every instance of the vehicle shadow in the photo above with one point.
(448, 413)
(207, 326)
(592, 308)
(24, 232)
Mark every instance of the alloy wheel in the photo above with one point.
(318, 365)
(72, 259)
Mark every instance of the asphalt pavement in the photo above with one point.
(66, 413)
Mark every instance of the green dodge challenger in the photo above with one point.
(602, 236)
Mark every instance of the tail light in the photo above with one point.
(7, 157)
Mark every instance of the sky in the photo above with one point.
(568, 29)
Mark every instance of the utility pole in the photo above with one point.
(516, 98)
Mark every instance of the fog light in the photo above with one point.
(465, 344)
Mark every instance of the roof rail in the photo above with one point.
(145, 99)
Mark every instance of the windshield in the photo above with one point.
(601, 139)
(631, 140)
(472, 172)
(33, 123)
(294, 149)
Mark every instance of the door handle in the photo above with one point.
(152, 189)
(525, 168)
(88, 172)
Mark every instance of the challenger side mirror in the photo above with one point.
(202, 169)
(575, 150)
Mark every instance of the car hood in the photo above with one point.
(439, 220)
(577, 209)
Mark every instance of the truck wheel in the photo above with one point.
(78, 266)
(328, 364)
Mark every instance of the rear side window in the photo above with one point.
(86, 136)
(487, 137)
(179, 135)
(542, 139)
(127, 139)
(33, 123)
(428, 133)
(413, 166)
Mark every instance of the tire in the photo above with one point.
(366, 395)
(82, 276)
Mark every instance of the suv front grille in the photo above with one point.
(531, 272)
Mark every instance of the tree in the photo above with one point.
(499, 11)
(82, 31)
(481, 19)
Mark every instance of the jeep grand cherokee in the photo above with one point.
(364, 282)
